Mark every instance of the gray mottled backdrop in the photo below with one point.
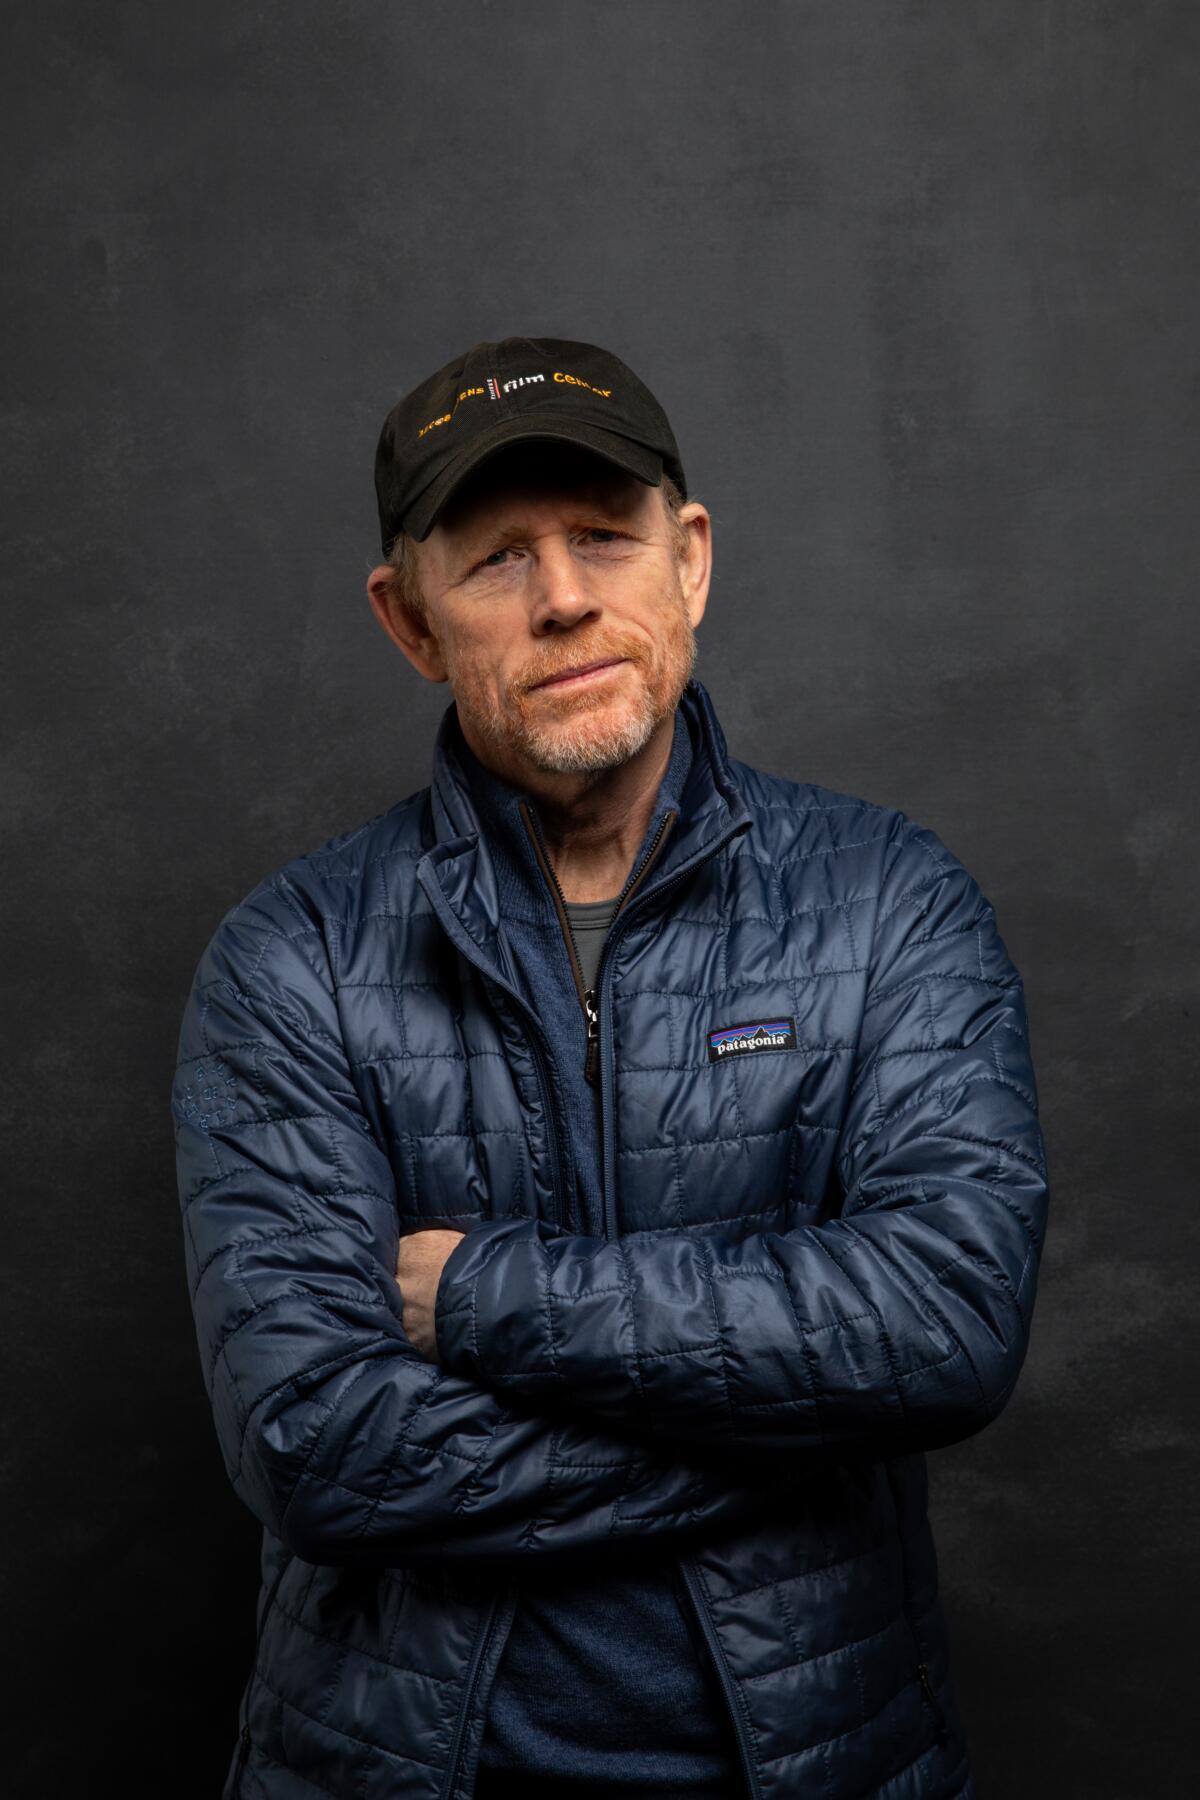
(917, 285)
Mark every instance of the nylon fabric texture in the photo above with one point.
(818, 1262)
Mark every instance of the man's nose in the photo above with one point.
(562, 592)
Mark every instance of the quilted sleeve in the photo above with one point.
(900, 1324)
(345, 1442)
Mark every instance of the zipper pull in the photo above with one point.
(935, 1703)
(591, 1067)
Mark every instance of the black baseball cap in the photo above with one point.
(495, 394)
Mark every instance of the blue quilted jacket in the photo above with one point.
(824, 1198)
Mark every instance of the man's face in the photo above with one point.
(546, 560)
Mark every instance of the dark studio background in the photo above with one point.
(916, 284)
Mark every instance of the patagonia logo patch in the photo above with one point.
(744, 1040)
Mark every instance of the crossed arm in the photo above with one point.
(901, 1324)
(585, 1391)
(347, 1443)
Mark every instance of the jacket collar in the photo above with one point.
(482, 866)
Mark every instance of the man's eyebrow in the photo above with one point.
(597, 516)
(477, 547)
(498, 534)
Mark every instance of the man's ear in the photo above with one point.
(410, 633)
(695, 572)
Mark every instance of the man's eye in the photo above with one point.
(488, 562)
(601, 534)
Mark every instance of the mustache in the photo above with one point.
(578, 655)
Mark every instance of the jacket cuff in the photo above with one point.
(455, 1321)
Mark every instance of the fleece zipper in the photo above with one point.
(587, 995)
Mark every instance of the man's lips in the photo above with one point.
(583, 671)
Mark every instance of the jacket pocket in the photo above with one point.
(244, 1728)
(929, 1694)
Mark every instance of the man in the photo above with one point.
(605, 1174)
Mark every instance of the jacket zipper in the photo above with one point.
(588, 1001)
(244, 1729)
(686, 1564)
(588, 998)
(534, 1037)
(477, 1658)
(587, 995)
(690, 1581)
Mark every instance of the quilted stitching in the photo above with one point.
(826, 1264)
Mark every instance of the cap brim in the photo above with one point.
(625, 452)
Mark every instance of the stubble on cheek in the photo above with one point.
(582, 730)
(597, 731)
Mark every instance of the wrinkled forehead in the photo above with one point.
(534, 471)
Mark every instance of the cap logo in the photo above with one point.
(574, 381)
(745, 1040)
(495, 388)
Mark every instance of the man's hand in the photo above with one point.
(418, 1268)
